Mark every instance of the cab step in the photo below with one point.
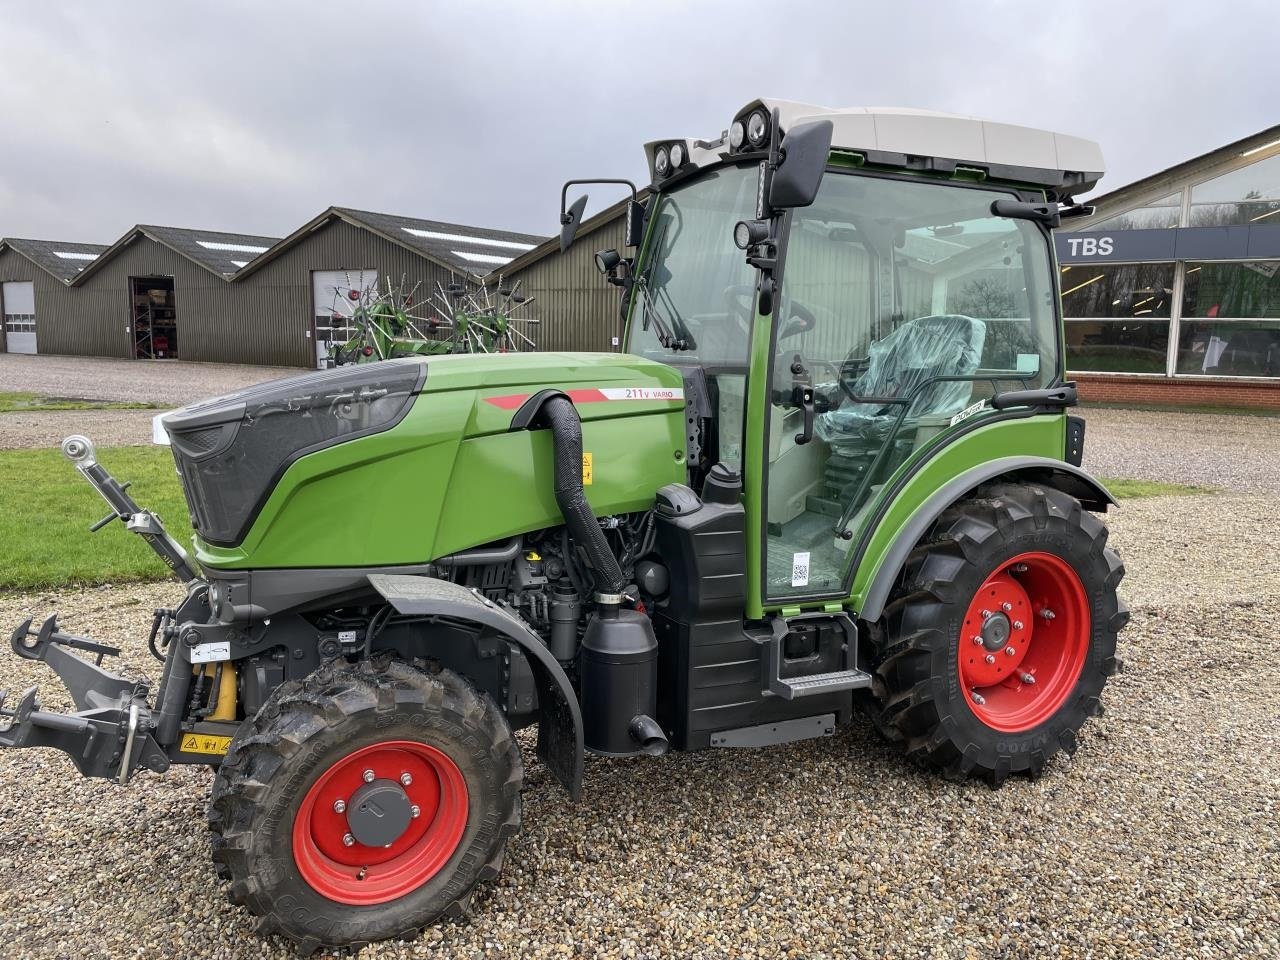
(813, 684)
(790, 688)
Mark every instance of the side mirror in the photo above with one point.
(805, 150)
(570, 220)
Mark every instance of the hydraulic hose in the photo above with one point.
(559, 414)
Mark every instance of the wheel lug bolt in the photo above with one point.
(1028, 679)
(368, 776)
(406, 778)
(1047, 614)
(1017, 624)
(991, 658)
(1019, 568)
(339, 806)
(415, 811)
(348, 840)
(1009, 651)
(978, 698)
(1006, 606)
(977, 640)
(985, 614)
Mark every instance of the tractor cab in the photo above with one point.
(846, 291)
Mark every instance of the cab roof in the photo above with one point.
(926, 139)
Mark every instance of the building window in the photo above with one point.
(1156, 215)
(20, 322)
(1221, 305)
(1117, 316)
(1248, 195)
(1232, 291)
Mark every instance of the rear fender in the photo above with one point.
(1043, 470)
(560, 744)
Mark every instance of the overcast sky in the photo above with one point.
(254, 117)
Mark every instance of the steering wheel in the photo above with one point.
(741, 297)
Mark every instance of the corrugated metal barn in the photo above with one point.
(174, 293)
(576, 308)
(32, 270)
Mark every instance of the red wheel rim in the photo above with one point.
(1024, 642)
(352, 873)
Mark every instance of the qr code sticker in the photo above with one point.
(800, 570)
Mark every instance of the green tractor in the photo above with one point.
(833, 474)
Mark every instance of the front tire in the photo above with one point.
(364, 802)
(1001, 634)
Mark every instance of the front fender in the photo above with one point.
(1044, 470)
(560, 743)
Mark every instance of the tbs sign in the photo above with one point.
(1090, 246)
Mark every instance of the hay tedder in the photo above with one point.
(833, 476)
(386, 321)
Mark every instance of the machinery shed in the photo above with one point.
(305, 276)
(575, 308)
(167, 293)
(36, 272)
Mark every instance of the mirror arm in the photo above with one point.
(564, 192)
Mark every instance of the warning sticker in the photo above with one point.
(800, 570)
(205, 743)
(586, 468)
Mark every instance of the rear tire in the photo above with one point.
(278, 834)
(951, 658)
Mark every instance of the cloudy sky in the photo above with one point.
(254, 117)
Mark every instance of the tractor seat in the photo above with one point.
(946, 345)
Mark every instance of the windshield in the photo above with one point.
(696, 285)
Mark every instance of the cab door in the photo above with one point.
(905, 304)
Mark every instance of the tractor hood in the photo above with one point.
(237, 452)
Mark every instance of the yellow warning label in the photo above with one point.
(586, 468)
(205, 743)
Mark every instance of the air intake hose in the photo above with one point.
(559, 414)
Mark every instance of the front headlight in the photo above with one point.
(661, 162)
(677, 155)
(737, 133)
(757, 127)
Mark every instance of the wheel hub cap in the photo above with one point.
(379, 813)
(995, 632)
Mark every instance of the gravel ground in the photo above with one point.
(1160, 838)
(1232, 452)
(102, 378)
(168, 383)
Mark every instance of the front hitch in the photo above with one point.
(109, 735)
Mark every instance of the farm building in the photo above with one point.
(1171, 290)
(174, 293)
(31, 270)
(575, 307)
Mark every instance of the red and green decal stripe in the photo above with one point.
(512, 401)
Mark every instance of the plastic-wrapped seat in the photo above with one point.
(946, 345)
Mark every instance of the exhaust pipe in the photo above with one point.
(648, 736)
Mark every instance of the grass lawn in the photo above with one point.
(15, 402)
(48, 507)
(1126, 488)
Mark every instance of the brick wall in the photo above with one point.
(1156, 391)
